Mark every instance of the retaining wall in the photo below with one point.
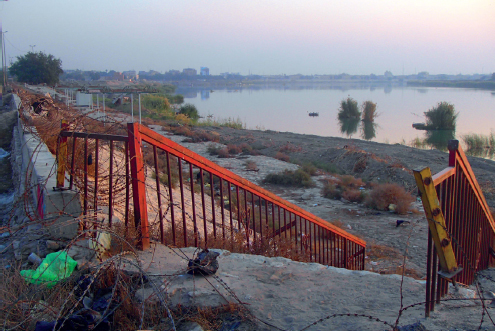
(38, 169)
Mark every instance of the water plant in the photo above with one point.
(441, 117)
(369, 111)
(480, 145)
(349, 109)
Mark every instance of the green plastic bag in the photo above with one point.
(55, 266)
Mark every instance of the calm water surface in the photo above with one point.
(287, 109)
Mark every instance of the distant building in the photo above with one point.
(130, 74)
(190, 72)
(173, 72)
(205, 71)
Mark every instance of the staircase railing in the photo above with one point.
(181, 198)
(461, 234)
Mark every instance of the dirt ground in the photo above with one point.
(387, 242)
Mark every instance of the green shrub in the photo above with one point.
(441, 117)
(190, 111)
(297, 178)
(349, 109)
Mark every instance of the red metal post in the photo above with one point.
(138, 183)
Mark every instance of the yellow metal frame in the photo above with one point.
(436, 222)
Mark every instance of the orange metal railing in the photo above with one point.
(468, 222)
(216, 204)
(180, 198)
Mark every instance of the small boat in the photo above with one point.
(419, 126)
(314, 114)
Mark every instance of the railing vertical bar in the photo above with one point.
(95, 199)
(72, 163)
(85, 167)
(203, 206)
(306, 236)
(193, 205)
(230, 214)
(429, 278)
(157, 178)
(127, 184)
(238, 200)
(171, 196)
(246, 218)
(273, 225)
(222, 208)
(285, 223)
(212, 192)
(296, 234)
(110, 182)
(254, 217)
(182, 201)
(261, 220)
(266, 219)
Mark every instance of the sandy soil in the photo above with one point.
(383, 162)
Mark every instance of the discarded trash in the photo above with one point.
(392, 207)
(84, 319)
(55, 266)
(205, 264)
(34, 259)
(374, 263)
(399, 222)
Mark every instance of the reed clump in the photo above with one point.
(349, 109)
(480, 145)
(441, 117)
(369, 112)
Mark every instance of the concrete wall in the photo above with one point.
(38, 166)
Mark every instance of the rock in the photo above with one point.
(80, 250)
(412, 327)
(52, 245)
(34, 227)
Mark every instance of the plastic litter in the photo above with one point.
(55, 266)
(84, 319)
(205, 264)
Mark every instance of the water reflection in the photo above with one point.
(349, 126)
(439, 139)
(368, 130)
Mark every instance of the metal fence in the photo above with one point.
(469, 227)
(180, 198)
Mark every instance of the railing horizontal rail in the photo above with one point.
(93, 136)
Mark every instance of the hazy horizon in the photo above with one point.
(258, 37)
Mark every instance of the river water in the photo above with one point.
(287, 109)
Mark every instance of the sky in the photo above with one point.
(259, 37)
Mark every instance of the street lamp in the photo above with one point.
(32, 47)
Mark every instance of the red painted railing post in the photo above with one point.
(62, 156)
(138, 183)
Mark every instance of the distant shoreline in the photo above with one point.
(485, 85)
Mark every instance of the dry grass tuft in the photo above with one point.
(384, 195)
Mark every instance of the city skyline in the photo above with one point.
(263, 38)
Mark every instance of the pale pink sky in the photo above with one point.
(264, 37)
